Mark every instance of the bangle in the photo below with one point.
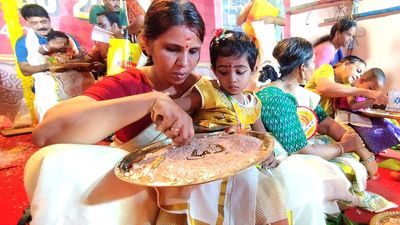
(45, 48)
(369, 159)
(341, 148)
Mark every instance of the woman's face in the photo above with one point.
(346, 37)
(103, 22)
(233, 73)
(175, 53)
(351, 71)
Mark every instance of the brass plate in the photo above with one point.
(150, 170)
(382, 218)
(379, 113)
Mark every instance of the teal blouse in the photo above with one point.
(279, 116)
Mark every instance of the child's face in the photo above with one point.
(371, 84)
(233, 73)
(59, 43)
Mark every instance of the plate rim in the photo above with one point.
(265, 135)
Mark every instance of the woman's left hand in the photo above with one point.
(270, 162)
(172, 120)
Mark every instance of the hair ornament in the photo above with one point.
(220, 35)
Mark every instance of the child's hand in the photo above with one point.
(235, 129)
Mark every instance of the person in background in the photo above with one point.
(32, 63)
(225, 104)
(329, 49)
(263, 21)
(293, 116)
(108, 6)
(377, 133)
(114, 6)
(98, 55)
(332, 82)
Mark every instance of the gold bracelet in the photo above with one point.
(341, 148)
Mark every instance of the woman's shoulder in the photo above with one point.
(271, 96)
(325, 47)
(270, 92)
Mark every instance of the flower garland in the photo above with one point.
(11, 18)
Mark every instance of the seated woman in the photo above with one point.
(292, 115)
(332, 82)
(76, 184)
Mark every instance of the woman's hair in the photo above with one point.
(290, 53)
(340, 26)
(351, 59)
(375, 74)
(33, 10)
(164, 14)
(112, 16)
(53, 34)
(227, 43)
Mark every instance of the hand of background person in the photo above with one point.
(81, 54)
(117, 32)
(98, 67)
(172, 120)
(379, 97)
(351, 142)
(372, 169)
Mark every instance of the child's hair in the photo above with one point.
(290, 54)
(377, 74)
(53, 34)
(228, 43)
(351, 59)
(112, 16)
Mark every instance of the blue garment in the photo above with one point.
(22, 52)
(338, 56)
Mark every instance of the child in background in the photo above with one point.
(225, 104)
(60, 48)
(377, 133)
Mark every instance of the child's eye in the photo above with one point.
(241, 72)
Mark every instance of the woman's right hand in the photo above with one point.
(172, 120)
(379, 97)
(351, 142)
